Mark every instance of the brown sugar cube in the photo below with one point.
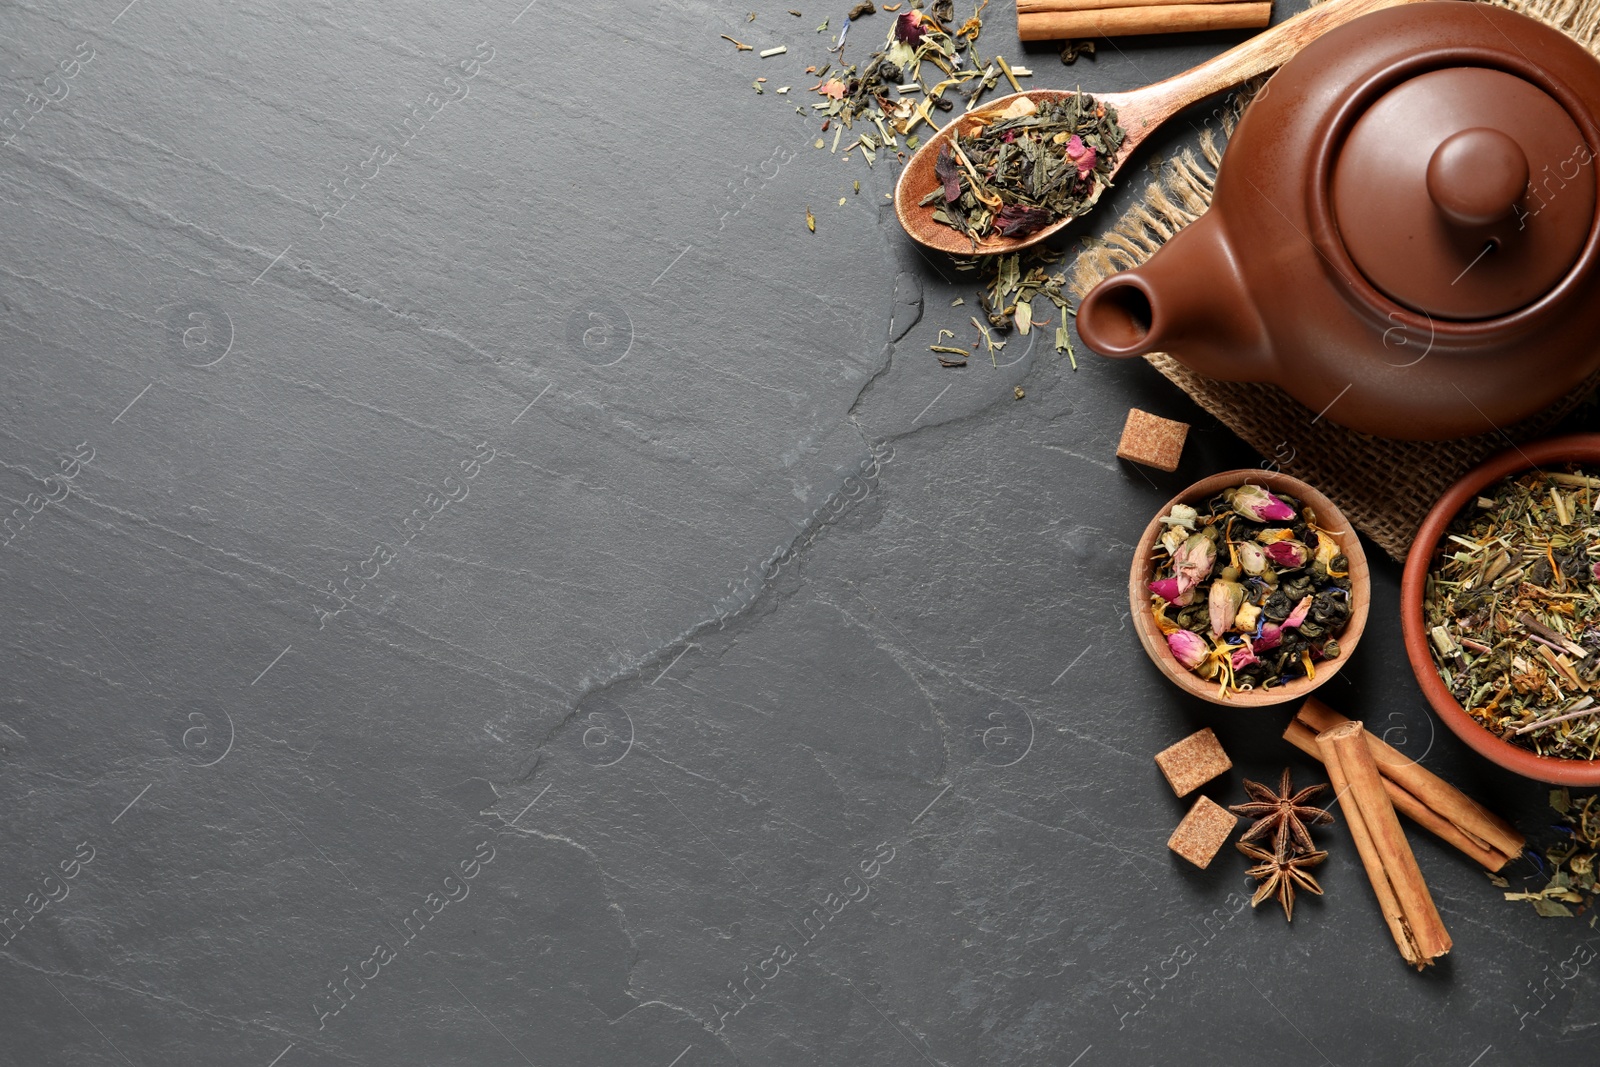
(1202, 832)
(1193, 762)
(1151, 440)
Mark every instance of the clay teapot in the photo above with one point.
(1403, 235)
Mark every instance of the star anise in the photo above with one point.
(1283, 814)
(1281, 874)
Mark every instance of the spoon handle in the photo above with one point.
(1146, 108)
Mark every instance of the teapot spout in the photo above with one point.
(1189, 300)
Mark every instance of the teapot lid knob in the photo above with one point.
(1476, 177)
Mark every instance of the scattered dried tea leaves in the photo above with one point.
(1013, 281)
(811, 221)
(1572, 861)
(1026, 166)
(738, 46)
(864, 8)
(1073, 49)
(1512, 607)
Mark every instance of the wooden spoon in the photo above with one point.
(1140, 112)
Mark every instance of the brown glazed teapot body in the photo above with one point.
(1404, 232)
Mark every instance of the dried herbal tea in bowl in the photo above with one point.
(1249, 590)
(1025, 167)
(1512, 606)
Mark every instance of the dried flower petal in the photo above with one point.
(909, 28)
(1014, 220)
(948, 171)
(1082, 155)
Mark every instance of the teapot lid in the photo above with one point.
(1465, 192)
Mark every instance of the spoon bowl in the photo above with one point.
(1139, 112)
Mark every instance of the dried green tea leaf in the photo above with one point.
(1552, 909)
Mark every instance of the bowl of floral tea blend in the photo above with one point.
(1501, 609)
(1249, 589)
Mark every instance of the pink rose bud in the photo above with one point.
(1192, 563)
(1271, 637)
(1167, 589)
(1188, 648)
(1252, 557)
(1258, 505)
(1298, 615)
(1243, 656)
(1223, 604)
(1288, 554)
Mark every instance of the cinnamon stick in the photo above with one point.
(1305, 739)
(1403, 896)
(1491, 840)
(1127, 19)
(1046, 7)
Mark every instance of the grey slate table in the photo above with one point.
(540, 605)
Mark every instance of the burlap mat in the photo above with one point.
(1384, 487)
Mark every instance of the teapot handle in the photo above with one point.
(1146, 108)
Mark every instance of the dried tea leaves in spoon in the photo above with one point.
(1026, 167)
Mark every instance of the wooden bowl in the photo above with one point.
(1574, 448)
(1328, 517)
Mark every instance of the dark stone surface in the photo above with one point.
(746, 602)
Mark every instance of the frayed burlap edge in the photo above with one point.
(1384, 487)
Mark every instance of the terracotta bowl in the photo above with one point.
(1576, 448)
(1328, 517)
